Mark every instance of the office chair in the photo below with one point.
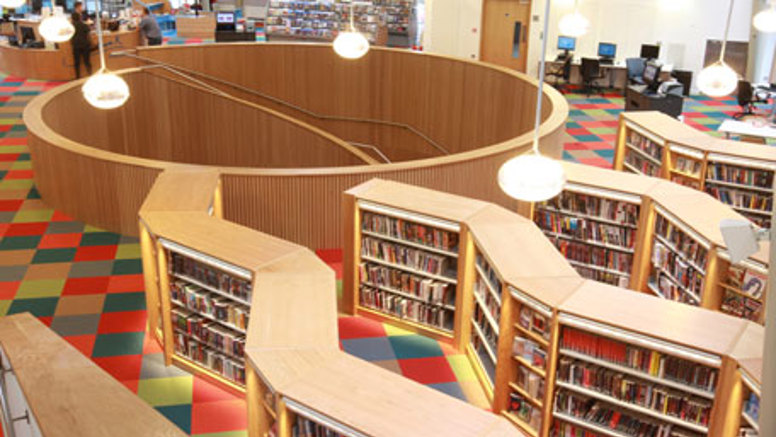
(635, 67)
(561, 72)
(747, 97)
(591, 71)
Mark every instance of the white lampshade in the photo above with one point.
(56, 28)
(573, 24)
(532, 177)
(765, 20)
(351, 45)
(12, 4)
(105, 91)
(717, 80)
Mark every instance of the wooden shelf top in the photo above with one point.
(418, 200)
(753, 367)
(659, 318)
(748, 351)
(550, 291)
(70, 395)
(610, 180)
(515, 247)
(182, 190)
(221, 239)
(661, 125)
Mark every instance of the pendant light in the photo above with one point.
(104, 90)
(12, 4)
(532, 177)
(56, 28)
(765, 20)
(574, 24)
(718, 79)
(351, 44)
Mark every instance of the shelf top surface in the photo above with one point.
(606, 179)
(641, 313)
(748, 351)
(417, 200)
(549, 291)
(69, 395)
(189, 190)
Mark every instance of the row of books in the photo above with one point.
(563, 429)
(740, 175)
(530, 351)
(490, 274)
(484, 352)
(199, 300)
(520, 407)
(681, 242)
(651, 362)
(424, 289)
(646, 145)
(195, 351)
(606, 416)
(687, 182)
(741, 198)
(680, 271)
(741, 306)
(492, 306)
(668, 289)
(304, 427)
(595, 256)
(406, 309)
(531, 383)
(586, 230)
(688, 166)
(210, 334)
(407, 256)
(596, 206)
(752, 406)
(409, 231)
(210, 276)
(747, 281)
(489, 334)
(533, 321)
(602, 276)
(642, 164)
(635, 391)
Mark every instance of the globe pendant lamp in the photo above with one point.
(765, 20)
(532, 177)
(574, 24)
(104, 90)
(56, 28)
(12, 4)
(718, 79)
(351, 44)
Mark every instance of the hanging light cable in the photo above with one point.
(351, 44)
(718, 79)
(104, 90)
(765, 20)
(574, 24)
(532, 177)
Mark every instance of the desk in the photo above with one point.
(747, 129)
(617, 73)
(636, 99)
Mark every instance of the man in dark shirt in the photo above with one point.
(150, 29)
(82, 45)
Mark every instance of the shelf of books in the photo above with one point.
(750, 410)
(595, 229)
(743, 287)
(532, 350)
(408, 268)
(486, 317)
(306, 422)
(686, 166)
(643, 152)
(744, 184)
(677, 270)
(612, 382)
(210, 307)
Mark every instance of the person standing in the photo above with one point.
(82, 45)
(150, 29)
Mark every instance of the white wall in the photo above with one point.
(452, 28)
(681, 26)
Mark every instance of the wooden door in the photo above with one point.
(505, 32)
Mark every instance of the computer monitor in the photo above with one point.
(567, 43)
(649, 51)
(607, 50)
(652, 75)
(225, 21)
(28, 34)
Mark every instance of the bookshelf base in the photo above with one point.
(482, 377)
(209, 375)
(409, 325)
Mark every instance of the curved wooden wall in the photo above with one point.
(300, 204)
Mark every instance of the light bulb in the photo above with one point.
(12, 4)
(532, 177)
(56, 28)
(105, 90)
(351, 45)
(717, 80)
(574, 24)
(765, 21)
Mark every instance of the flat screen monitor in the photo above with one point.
(567, 43)
(651, 75)
(650, 51)
(225, 18)
(607, 50)
(28, 34)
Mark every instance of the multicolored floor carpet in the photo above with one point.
(87, 284)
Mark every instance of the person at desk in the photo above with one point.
(78, 8)
(149, 28)
(82, 44)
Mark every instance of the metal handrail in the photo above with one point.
(373, 148)
(282, 102)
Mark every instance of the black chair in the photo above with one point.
(590, 70)
(747, 97)
(561, 72)
(635, 67)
